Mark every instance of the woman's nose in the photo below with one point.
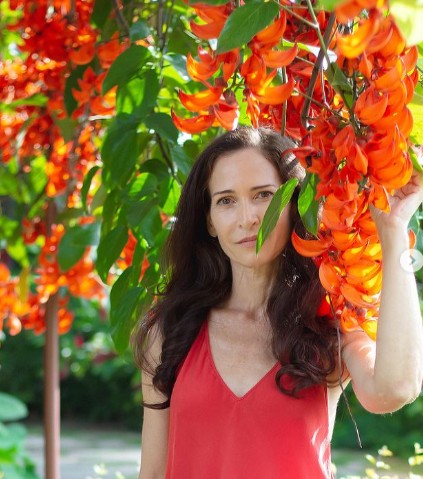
(248, 215)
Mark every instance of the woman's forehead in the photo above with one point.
(243, 167)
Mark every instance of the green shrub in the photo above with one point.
(14, 462)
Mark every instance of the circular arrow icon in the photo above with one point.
(411, 260)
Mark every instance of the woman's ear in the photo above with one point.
(210, 227)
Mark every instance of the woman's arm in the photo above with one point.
(155, 427)
(389, 373)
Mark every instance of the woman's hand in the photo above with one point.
(404, 202)
(389, 374)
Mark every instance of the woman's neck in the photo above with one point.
(250, 290)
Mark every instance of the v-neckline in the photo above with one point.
(219, 376)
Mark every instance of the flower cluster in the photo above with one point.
(353, 131)
(57, 37)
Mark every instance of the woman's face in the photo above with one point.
(241, 187)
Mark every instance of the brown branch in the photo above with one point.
(121, 18)
(291, 11)
(165, 154)
(315, 73)
(284, 106)
(318, 103)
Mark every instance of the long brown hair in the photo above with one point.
(200, 278)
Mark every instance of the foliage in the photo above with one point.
(340, 84)
(88, 364)
(380, 466)
(92, 163)
(399, 429)
(14, 462)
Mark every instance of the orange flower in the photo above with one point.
(108, 52)
(207, 31)
(274, 95)
(193, 125)
(310, 248)
(226, 114)
(271, 35)
(279, 59)
(330, 277)
(201, 100)
(83, 55)
(371, 106)
(205, 68)
(351, 46)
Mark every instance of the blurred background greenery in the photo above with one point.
(98, 386)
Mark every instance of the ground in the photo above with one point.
(84, 449)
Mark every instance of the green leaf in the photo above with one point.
(99, 199)
(9, 228)
(178, 62)
(181, 159)
(142, 186)
(11, 408)
(138, 97)
(126, 66)
(109, 249)
(130, 95)
(340, 83)
(120, 286)
(121, 318)
(417, 166)
(149, 99)
(328, 5)
(156, 167)
(137, 263)
(101, 12)
(274, 210)
(308, 206)
(17, 250)
(162, 124)
(37, 176)
(178, 41)
(110, 210)
(120, 149)
(149, 222)
(74, 242)
(416, 109)
(244, 23)
(139, 30)
(72, 82)
(209, 2)
(152, 276)
(408, 16)
(86, 186)
(169, 194)
(417, 97)
(35, 100)
(67, 127)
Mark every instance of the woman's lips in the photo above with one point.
(248, 241)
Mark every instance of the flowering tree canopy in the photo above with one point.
(105, 105)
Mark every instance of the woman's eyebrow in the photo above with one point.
(252, 189)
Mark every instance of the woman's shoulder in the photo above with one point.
(153, 346)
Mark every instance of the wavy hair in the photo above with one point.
(199, 278)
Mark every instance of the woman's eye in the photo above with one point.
(224, 201)
(265, 194)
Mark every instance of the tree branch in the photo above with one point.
(121, 18)
(317, 67)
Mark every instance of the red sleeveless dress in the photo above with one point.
(214, 434)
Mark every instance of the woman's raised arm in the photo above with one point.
(389, 373)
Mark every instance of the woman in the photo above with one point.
(240, 374)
